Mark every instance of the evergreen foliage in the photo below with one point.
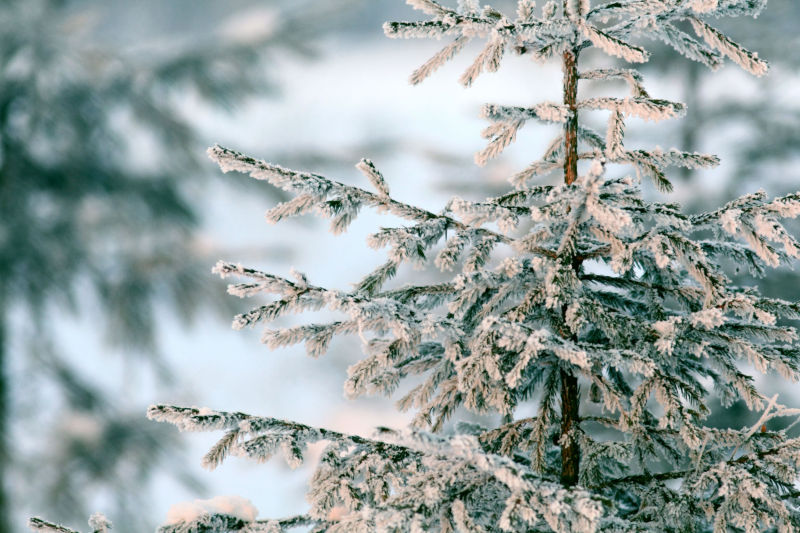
(611, 314)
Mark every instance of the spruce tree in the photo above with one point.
(609, 313)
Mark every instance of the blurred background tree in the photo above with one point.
(99, 177)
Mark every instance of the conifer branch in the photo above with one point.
(292, 181)
(38, 524)
(643, 479)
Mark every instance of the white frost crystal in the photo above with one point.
(234, 506)
(708, 318)
(99, 523)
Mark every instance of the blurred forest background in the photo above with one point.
(111, 217)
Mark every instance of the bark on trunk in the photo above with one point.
(570, 451)
(571, 126)
(570, 394)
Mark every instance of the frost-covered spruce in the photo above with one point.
(608, 313)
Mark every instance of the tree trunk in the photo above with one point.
(571, 126)
(570, 450)
(5, 458)
(5, 453)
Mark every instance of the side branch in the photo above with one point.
(640, 479)
(305, 183)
